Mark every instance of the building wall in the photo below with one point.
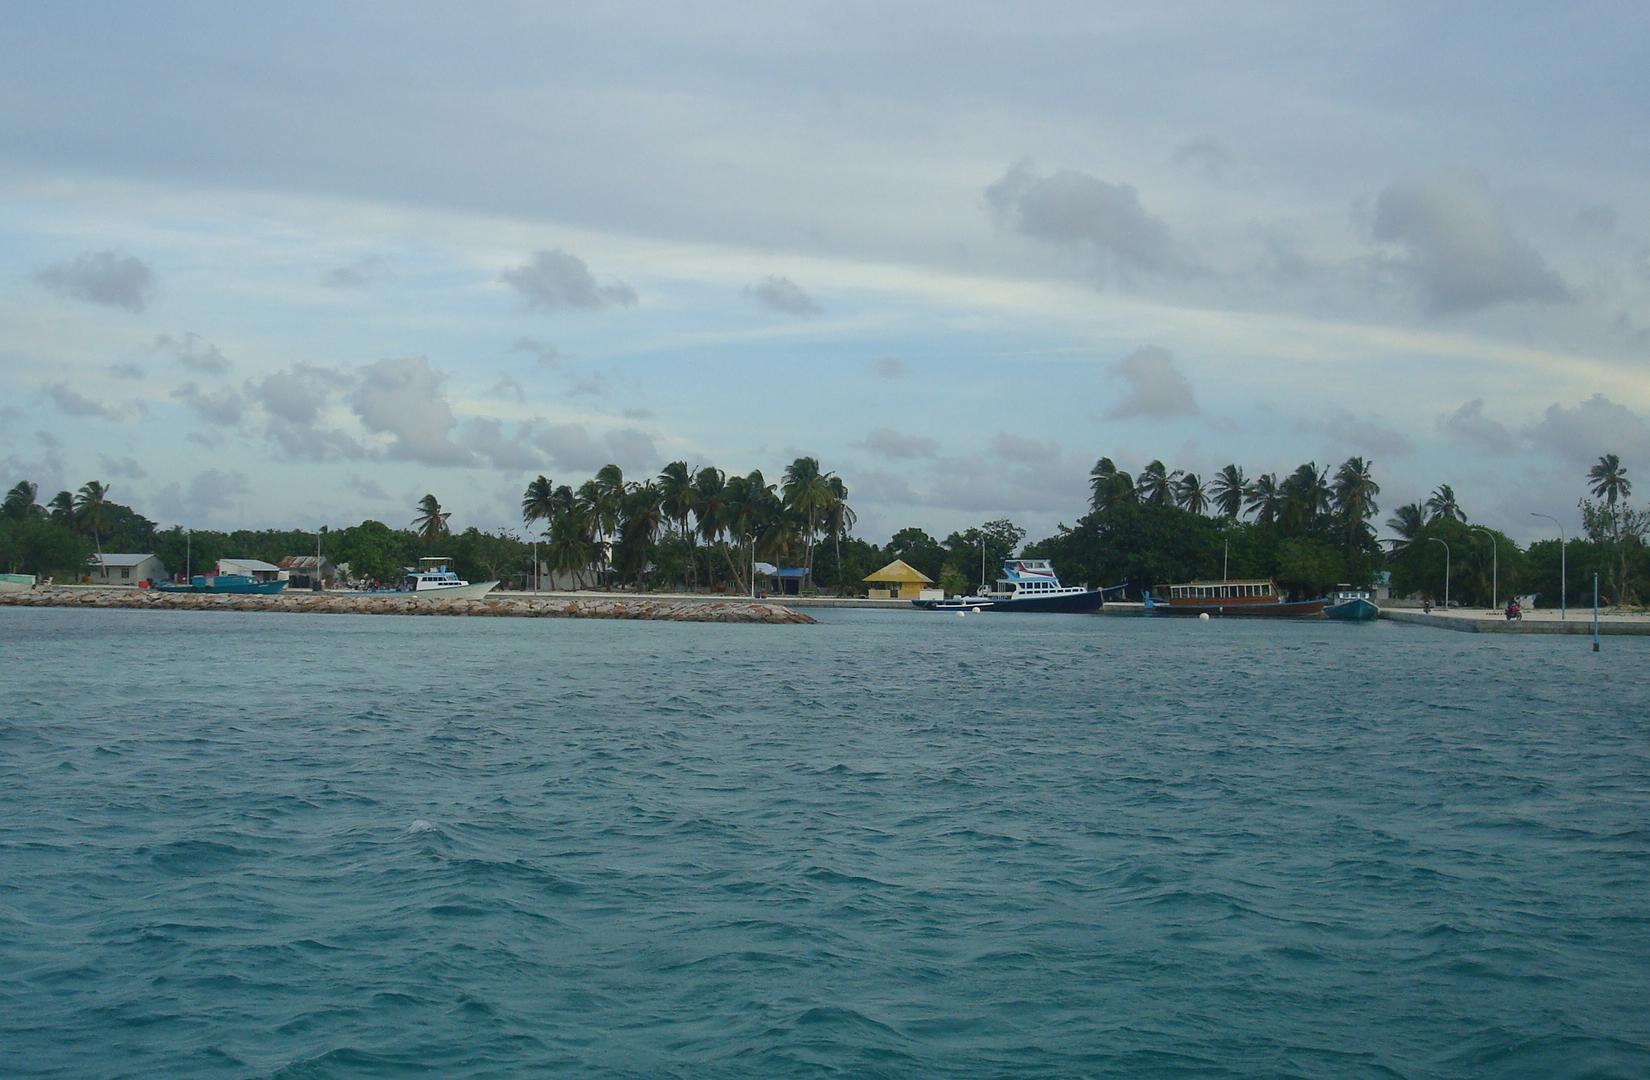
(150, 569)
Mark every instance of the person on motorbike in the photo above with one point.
(1515, 613)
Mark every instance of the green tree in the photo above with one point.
(1155, 485)
(431, 522)
(88, 510)
(919, 550)
(20, 501)
(1441, 504)
(538, 501)
(1189, 494)
(1228, 490)
(1265, 498)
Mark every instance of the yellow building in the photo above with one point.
(897, 579)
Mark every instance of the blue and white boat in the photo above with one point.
(1026, 585)
(431, 579)
(1351, 605)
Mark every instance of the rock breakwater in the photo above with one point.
(528, 607)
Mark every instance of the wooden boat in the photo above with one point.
(1351, 605)
(1254, 597)
(16, 582)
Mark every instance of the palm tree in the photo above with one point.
(1441, 504)
(538, 502)
(1608, 480)
(61, 508)
(570, 550)
(1407, 521)
(710, 503)
(839, 520)
(20, 501)
(1108, 485)
(1354, 494)
(1156, 484)
(1265, 498)
(431, 522)
(88, 510)
(676, 497)
(807, 492)
(1305, 496)
(1228, 489)
(640, 517)
(1189, 494)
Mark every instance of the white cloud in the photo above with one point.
(1462, 254)
(74, 403)
(1072, 209)
(1592, 428)
(1152, 385)
(1469, 424)
(1204, 153)
(194, 353)
(223, 407)
(402, 398)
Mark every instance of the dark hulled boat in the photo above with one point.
(1219, 598)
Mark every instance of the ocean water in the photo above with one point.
(886, 845)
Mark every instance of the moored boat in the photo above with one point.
(1257, 597)
(16, 582)
(235, 584)
(432, 579)
(1026, 585)
(1351, 605)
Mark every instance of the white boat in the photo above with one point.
(1026, 585)
(432, 580)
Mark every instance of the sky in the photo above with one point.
(299, 264)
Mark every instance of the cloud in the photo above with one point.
(509, 389)
(555, 280)
(1074, 210)
(1361, 434)
(194, 353)
(1469, 424)
(366, 487)
(223, 407)
(121, 468)
(1462, 255)
(356, 275)
(1006, 446)
(402, 398)
(633, 449)
(74, 403)
(126, 371)
(102, 277)
(783, 294)
(1595, 427)
(486, 437)
(1598, 219)
(546, 354)
(292, 402)
(208, 493)
(1204, 153)
(1152, 385)
(888, 443)
(571, 447)
(889, 367)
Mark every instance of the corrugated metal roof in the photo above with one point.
(901, 571)
(248, 564)
(110, 559)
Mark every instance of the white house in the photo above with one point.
(111, 569)
(256, 569)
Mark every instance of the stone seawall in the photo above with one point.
(559, 607)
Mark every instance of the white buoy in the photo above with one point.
(976, 611)
(962, 614)
(1204, 617)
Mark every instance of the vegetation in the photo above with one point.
(702, 528)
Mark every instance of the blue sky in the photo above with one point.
(274, 267)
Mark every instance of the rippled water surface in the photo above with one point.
(887, 845)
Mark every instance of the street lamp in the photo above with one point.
(1495, 566)
(187, 552)
(1435, 540)
(1563, 571)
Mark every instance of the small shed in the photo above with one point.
(112, 569)
(256, 569)
(898, 579)
(300, 570)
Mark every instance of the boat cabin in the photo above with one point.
(1252, 591)
(430, 573)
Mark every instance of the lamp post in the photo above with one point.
(1495, 566)
(315, 583)
(1563, 571)
(1435, 540)
(188, 551)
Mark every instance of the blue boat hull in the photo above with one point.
(1352, 611)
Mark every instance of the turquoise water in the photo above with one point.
(887, 845)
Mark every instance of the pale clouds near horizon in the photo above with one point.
(956, 253)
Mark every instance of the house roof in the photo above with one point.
(299, 562)
(900, 571)
(110, 559)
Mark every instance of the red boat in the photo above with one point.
(1246, 597)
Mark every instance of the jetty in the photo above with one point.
(512, 605)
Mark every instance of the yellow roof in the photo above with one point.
(900, 570)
